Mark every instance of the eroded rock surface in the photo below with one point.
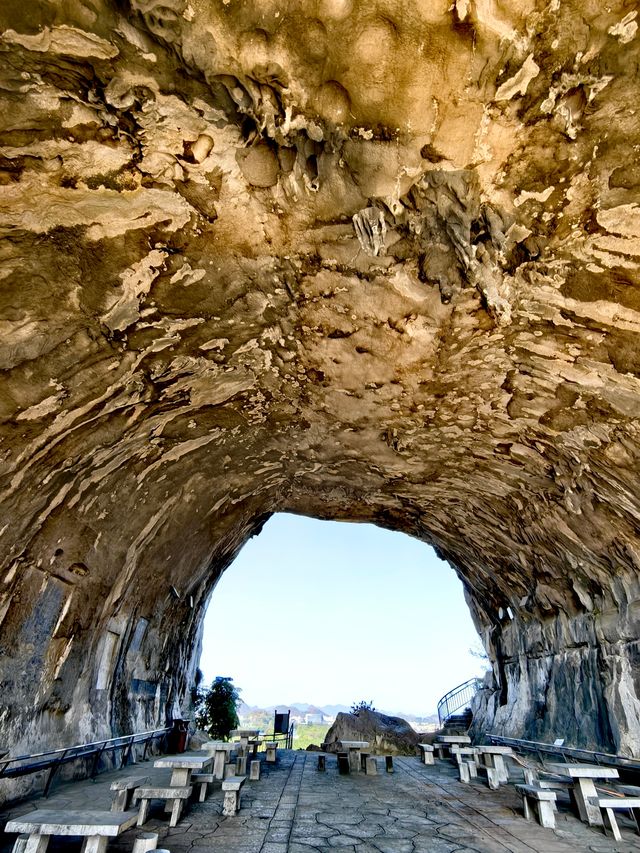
(366, 261)
(385, 735)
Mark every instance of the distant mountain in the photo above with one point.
(299, 709)
(332, 710)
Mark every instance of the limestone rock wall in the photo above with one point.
(375, 262)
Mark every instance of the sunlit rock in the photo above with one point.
(384, 734)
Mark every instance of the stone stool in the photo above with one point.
(232, 787)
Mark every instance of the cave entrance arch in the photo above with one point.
(410, 300)
(329, 613)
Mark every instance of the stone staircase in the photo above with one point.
(458, 724)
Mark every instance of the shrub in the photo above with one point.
(362, 705)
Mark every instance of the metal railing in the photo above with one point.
(285, 741)
(458, 698)
(567, 753)
(23, 765)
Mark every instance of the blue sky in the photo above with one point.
(331, 613)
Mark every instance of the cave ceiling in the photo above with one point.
(373, 261)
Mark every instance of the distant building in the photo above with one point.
(314, 719)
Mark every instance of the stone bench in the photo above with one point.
(271, 747)
(145, 841)
(543, 802)
(253, 747)
(608, 805)
(96, 827)
(463, 753)
(467, 770)
(123, 790)
(204, 780)
(492, 774)
(426, 752)
(254, 770)
(232, 787)
(442, 750)
(322, 762)
(176, 795)
(343, 763)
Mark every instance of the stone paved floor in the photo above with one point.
(296, 809)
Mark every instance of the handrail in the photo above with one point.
(84, 746)
(606, 759)
(458, 697)
(52, 760)
(287, 738)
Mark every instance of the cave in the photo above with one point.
(374, 262)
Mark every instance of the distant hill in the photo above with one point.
(332, 710)
(301, 708)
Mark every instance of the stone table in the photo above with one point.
(245, 735)
(221, 750)
(584, 789)
(493, 756)
(182, 766)
(354, 748)
(95, 826)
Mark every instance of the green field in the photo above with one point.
(304, 735)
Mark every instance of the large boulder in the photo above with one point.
(389, 735)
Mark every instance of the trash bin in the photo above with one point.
(178, 736)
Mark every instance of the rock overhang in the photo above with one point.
(375, 263)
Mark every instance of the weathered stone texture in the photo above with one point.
(371, 262)
(385, 735)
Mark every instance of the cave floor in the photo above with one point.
(296, 809)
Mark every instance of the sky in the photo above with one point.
(329, 612)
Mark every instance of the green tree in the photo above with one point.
(216, 708)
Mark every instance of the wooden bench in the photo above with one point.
(426, 752)
(95, 826)
(232, 787)
(204, 780)
(543, 801)
(123, 790)
(608, 805)
(176, 795)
